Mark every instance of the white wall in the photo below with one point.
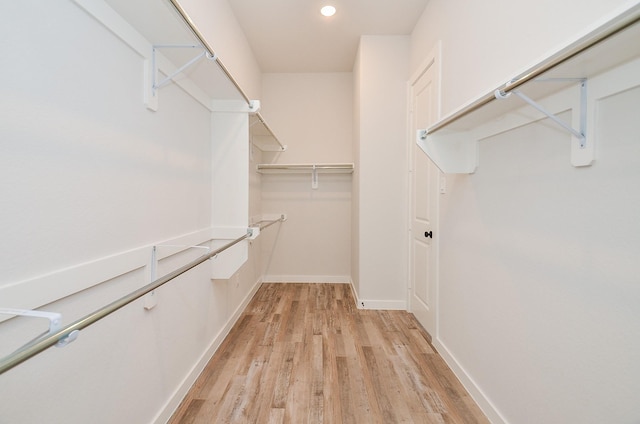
(381, 74)
(90, 180)
(312, 115)
(538, 276)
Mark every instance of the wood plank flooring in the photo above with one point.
(303, 353)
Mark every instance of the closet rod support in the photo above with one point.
(150, 300)
(156, 85)
(579, 134)
(314, 178)
(55, 319)
(55, 323)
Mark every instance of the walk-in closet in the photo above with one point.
(247, 211)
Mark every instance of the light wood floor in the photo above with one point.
(303, 353)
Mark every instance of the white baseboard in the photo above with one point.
(469, 384)
(178, 395)
(394, 305)
(381, 305)
(338, 279)
(354, 293)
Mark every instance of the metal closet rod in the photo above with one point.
(269, 223)
(261, 119)
(590, 40)
(48, 340)
(209, 49)
(305, 166)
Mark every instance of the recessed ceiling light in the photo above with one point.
(328, 10)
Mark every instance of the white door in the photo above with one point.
(424, 180)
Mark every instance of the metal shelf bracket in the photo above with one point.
(150, 300)
(155, 83)
(580, 134)
(55, 323)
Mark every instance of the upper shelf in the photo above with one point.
(161, 23)
(452, 142)
(278, 168)
(305, 168)
(176, 51)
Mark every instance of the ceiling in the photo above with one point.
(292, 35)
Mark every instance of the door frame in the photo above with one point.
(433, 59)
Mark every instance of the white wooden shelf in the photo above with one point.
(334, 168)
(553, 86)
(307, 168)
(175, 51)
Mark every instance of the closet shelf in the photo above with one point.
(305, 168)
(301, 168)
(175, 51)
(555, 85)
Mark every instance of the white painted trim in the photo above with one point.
(44, 289)
(354, 293)
(183, 388)
(388, 305)
(469, 384)
(338, 279)
(433, 60)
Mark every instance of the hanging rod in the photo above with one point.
(207, 47)
(314, 169)
(71, 331)
(600, 34)
(210, 53)
(264, 123)
(346, 167)
(266, 224)
(269, 224)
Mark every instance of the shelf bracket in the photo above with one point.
(150, 299)
(580, 134)
(314, 178)
(55, 323)
(155, 84)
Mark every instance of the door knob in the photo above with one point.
(428, 234)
